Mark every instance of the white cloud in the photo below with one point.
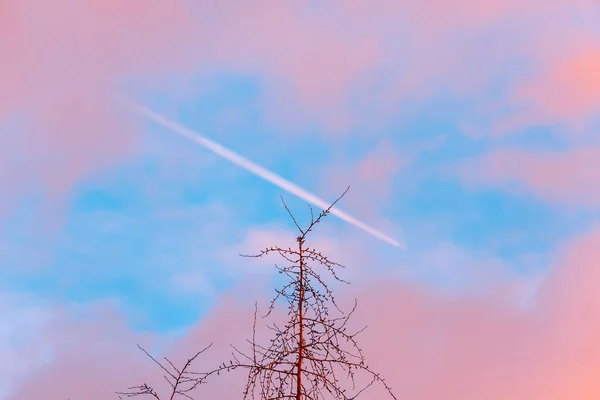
(23, 348)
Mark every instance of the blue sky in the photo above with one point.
(130, 228)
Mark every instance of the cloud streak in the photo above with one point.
(258, 170)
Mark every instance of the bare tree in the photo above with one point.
(182, 380)
(309, 355)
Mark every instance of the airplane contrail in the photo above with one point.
(258, 170)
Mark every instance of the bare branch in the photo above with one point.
(309, 355)
(182, 381)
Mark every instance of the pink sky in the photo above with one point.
(68, 61)
(347, 78)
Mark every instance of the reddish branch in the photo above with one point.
(300, 320)
(309, 355)
(181, 380)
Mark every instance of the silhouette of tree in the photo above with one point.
(313, 351)
(308, 357)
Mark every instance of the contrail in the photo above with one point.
(258, 170)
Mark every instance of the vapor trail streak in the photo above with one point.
(258, 170)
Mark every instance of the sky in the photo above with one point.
(467, 130)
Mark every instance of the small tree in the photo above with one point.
(309, 355)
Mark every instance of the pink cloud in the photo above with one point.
(484, 347)
(565, 89)
(289, 40)
(87, 354)
(22, 347)
(318, 63)
(356, 63)
(308, 61)
(569, 89)
(565, 177)
(67, 60)
(380, 165)
(94, 354)
(469, 48)
(370, 178)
